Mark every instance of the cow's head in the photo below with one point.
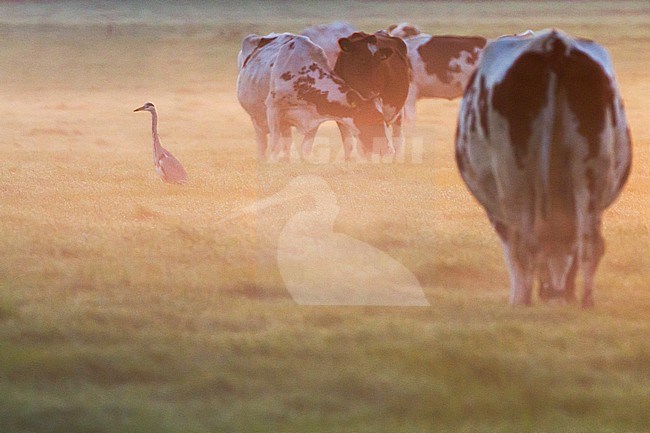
(369, 120)
(360, 61)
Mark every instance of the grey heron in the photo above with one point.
(168, 167)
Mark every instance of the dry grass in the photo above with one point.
(125, 306)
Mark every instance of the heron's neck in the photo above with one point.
(322, 214)
(154, 133)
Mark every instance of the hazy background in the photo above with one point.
(126, 306)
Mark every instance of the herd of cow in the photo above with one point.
(364, 82)
(542, 140)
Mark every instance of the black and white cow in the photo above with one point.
(285, 81)
(544, 146)
(327, 36)
(377, 64)
(441, 65)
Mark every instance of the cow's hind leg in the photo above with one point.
(570, 289)
(347, 138)
(519, 262)
(307, 143)
(261, 135)
(520, 266)
(594, 249)
(410, 106)
(262, 143)
(285, 131)
(280, 136)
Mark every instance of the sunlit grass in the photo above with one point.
(126, 306)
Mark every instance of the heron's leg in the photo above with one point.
(347, 137)
(307, 143)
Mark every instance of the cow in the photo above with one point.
(377, 64)
(326, 36)
(285, 81)
(543, 145)
(441, 65)
(403, 30)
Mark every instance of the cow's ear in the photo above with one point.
(345, 44)
(383, 53)
(265, 41)
(391, 28)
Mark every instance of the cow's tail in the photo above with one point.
(546, 144)
(556, 207)
(552, 138)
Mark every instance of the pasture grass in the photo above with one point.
(127, 305)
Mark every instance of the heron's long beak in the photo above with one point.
(301, 186)
(139, 109)
(278, 198)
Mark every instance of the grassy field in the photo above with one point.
(126, 306)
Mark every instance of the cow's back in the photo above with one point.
(543, 144)
(257, 57)
(542, 138)
(326, 36)
(442, 65)
(301, 75)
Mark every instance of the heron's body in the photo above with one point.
(167, 166)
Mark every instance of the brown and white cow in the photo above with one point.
(285, 81)
(327, 37)
(403, 30)
(377, 65)
(441, 65)
(544, 146)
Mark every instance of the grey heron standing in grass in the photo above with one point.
(168, 167)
